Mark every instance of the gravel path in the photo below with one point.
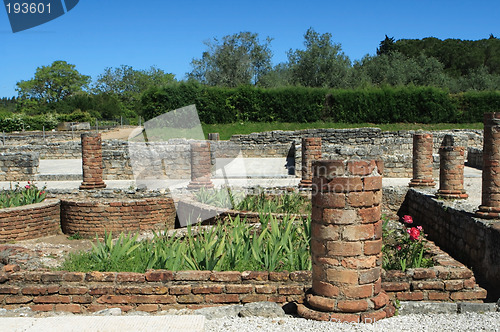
(433, 322)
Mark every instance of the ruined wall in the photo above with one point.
(173, 158)
(30, 221)
(473, 241)
(18, 166)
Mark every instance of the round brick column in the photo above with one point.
(451, 170)
(200, 166)
(490, 203)
(92, 161)
(311, 151)
(346, 243)
(422, 161)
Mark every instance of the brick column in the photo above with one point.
(422, 161)
(92, 161)
(200, 166)
(346, 243)
(490, 203)
(451, 170)
(311, 151)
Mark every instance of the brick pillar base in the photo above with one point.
(200, 166)
(346, 243)
(422, 161)
(490, 202)
(311, 151)
(92, 161)
(451, 170)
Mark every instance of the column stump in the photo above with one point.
(490, 199)
(200, 166)
(311, 151)
(451, 170)
(422, 161)
(346, 243)
(92, 161)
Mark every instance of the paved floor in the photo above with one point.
(186, 323)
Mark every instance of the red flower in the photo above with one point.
(27, 186)
(414, 233)
(419, 228)
(408, 219)
(398, 247)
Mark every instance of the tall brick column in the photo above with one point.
(92, 161)
(490, 203)
(311, 151)
(451, 170)
(422, 161)
(200, 166)
(346, 243)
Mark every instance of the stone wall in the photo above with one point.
(172, 160)
(20, 166)
(473, 241)
(51, 150)
(475, 158)
(30, 221)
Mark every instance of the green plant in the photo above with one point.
(404, 248)
(75, 236)
(22, 195)
(273, 245)
(111, 254)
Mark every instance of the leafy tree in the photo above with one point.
(479, 80)
(321, 64)
(279, 76)
(120, 89)
(237, 59)
(458, 56)
(397, 70)
(53, 83)
(386, 46)
(126, 81)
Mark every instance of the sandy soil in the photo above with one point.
(119, 133)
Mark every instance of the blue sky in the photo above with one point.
(169, 34)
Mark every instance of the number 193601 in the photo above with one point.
(27, 8)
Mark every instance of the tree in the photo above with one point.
(126, 81)
(386, 46)
(396, 69)
(321, 64)
(237, 59)
(53, 83)
(125, 85)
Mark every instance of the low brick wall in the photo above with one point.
(158, 290)
(473, 241)
(91, 217)
(30, 221)
(448, 281)
(152, 291)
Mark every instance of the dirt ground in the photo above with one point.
(42, 253)
(119, 133)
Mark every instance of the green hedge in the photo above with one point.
(300, 104)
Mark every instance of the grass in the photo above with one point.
(227, 130)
